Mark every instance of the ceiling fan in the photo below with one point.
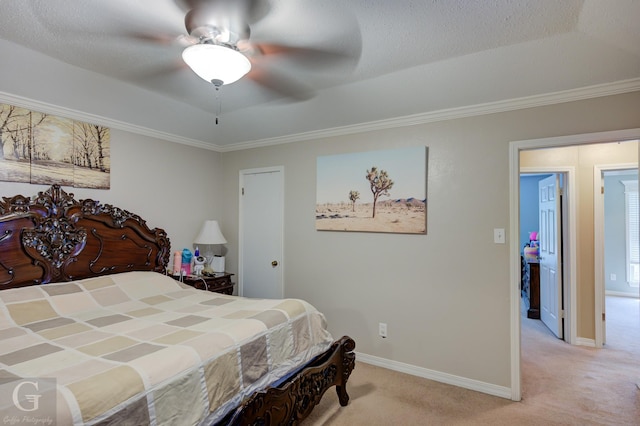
(220, 48)
(215, 28)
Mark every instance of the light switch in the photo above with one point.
(498, 236)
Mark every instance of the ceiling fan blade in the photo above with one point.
(250, 11)
(284, 86)
(158, 72)
(309, 36)
(312, 57)
(296, 51)
(182, 40)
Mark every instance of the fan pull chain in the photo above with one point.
(217, 84)
(219, 103)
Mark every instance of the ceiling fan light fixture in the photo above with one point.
(215, 62)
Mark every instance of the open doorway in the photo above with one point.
(577, 151)
(617, 226)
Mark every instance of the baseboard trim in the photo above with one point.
(582, 341)
(621, 294)
(450, 379)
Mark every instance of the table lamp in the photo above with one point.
(209, 236)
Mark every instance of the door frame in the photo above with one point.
(514, 227)
(598, 237)
(242, 174)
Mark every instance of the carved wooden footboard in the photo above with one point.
(294, 400)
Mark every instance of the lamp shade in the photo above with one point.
(210, 234)
(213, 62)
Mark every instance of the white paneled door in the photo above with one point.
(261, 233)
(550, 256)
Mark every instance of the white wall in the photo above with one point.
(444, 296)
(171, 186)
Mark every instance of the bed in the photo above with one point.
(89, 317)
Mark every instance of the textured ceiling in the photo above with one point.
(402, 58)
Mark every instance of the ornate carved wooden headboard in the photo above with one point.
(52, 237)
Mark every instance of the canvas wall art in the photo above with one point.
(376, 191)
(46, 149)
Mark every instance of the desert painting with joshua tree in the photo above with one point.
(376, 191)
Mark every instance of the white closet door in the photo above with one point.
(261, 233)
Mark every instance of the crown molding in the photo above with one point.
(606, 89)
(103, 121)
(600, 90)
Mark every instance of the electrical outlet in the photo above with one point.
(382, 330)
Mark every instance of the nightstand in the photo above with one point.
(219, 283)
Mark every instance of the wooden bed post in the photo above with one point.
(347, 346)
(294, 400)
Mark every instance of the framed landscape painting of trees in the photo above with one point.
(46, 149)
(376, 191)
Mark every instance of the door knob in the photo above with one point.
(274, 263)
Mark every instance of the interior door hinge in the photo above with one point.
(602, 189)
(242, 191)
(603, 317)
(562, 313)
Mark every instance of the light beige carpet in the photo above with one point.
(562, 385)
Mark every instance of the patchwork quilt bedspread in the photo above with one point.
(140, 348)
